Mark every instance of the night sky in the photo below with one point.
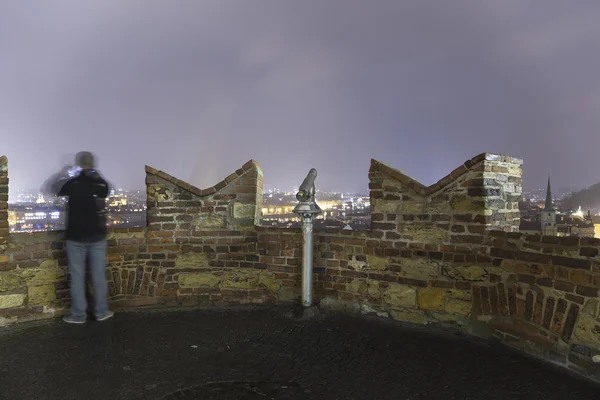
(198, 87)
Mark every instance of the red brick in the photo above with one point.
(520, 307)
(579, 276)
(562, 273)
(529, 300)
(22, 257)
(512, 301)
(462, 285)
(7, 267)
(575, 298)
(564, 286)
(559, 315)
(502, 301)
(587, 291)
(548, 312)
(441, 284)
(571, 262)
(538, 309)
(493, 300)
(570, 322)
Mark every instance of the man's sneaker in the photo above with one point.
(105, 316)
(69, 319)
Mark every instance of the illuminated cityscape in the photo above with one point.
(340, 210)
(29, 211)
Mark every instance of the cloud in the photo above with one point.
(198, 88)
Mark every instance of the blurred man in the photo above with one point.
(85, 234)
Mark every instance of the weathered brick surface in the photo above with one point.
(480, 195)
(447, 254)
(4, 234)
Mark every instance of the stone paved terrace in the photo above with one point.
(252, 352)
(446, 255)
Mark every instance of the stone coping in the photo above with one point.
(208, 191)
(419, 188)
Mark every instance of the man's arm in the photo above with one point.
(55, 185)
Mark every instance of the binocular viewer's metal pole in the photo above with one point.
(307, 209)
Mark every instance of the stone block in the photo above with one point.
(413, 317)
(242, 224)
(11, 300)
(49, 264)
(357, 265)
(464, 295)
(240, 280)
(159, 193)
(384, 206)
(591, 308)
(364, 287)
(191, 260)
(418, 268)
(377, 263)
(400, 296)
(43, 275)
(587, 330)
(467, 273)
(271, 284)
(209, 221)
(411, 208)
(9, 281)
(38, 237)
(125, 235)
(198, 279)
(241, 210)
(42, 294)
(459, 307)
(426, 233)
(287, 293)
(465, 204)
(431, 298)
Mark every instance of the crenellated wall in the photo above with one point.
(448, 254)
(480, 195)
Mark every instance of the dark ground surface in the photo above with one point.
(260, 353)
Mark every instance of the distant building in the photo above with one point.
(548, 215)
(549, 222)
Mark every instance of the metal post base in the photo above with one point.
(301, 312)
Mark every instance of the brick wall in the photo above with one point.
(3, 207)
(544, 297)
(480, 195)
(445, 255)
(200, 245)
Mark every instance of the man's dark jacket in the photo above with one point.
(86, 218)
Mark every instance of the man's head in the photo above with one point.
(85, 160)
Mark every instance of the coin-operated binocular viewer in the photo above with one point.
(307, 209)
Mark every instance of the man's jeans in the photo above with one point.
(77, 254)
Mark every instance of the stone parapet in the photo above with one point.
(417, 265)
(4, 232)
(478, 196)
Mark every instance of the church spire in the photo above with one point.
(548, 198)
